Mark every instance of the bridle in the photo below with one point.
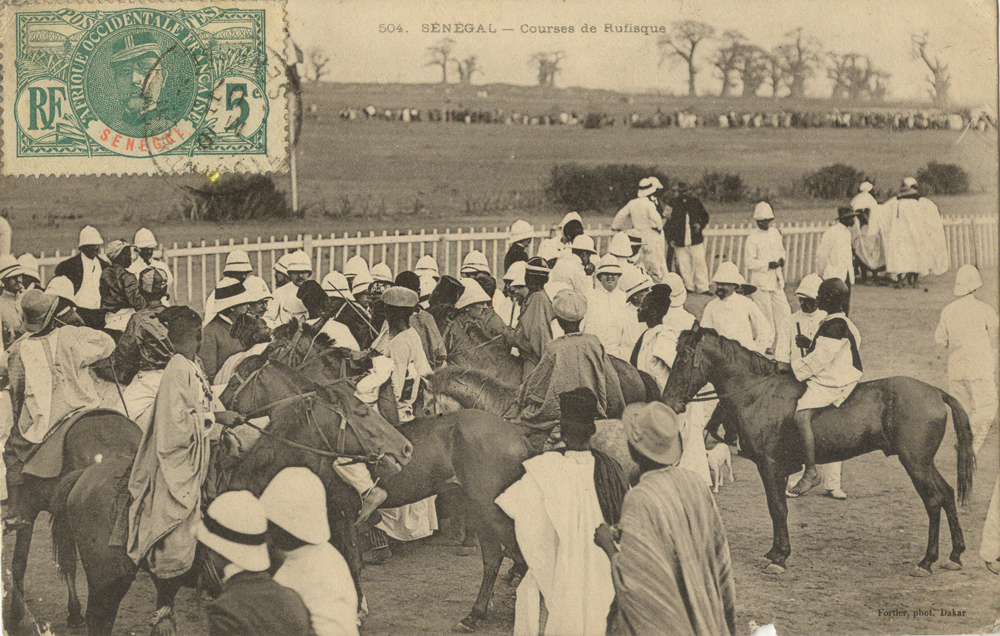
(309, 398)
(708, 396)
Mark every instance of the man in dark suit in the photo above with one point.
(234, 529)
(683, 231)
(218, 343)
(84, 271)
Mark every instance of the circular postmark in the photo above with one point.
(141, 83)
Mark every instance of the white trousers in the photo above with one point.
(693, 455)
(140, 394)
(654, 255)
(354, 474)
(692, 267)
(410, 522)
(829, 473)
(979, 398)
(989, 549)
(774, 305)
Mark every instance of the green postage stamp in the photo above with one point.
(143, 87)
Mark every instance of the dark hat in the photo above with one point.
(312, 296)
(180, 321)
(659, 296)
(577, 412)
(134, 46)
(845, 212)
(409, 280)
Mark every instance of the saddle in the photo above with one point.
(46, 459)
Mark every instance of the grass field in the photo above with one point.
(391, 175)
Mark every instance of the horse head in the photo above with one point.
(690, 371)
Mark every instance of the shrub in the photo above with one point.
(593, 120)
(942, 178)
(238, 197)
(833, 182)
(722, 187)
(598, 188)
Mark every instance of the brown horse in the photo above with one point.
(897, 415)
(90, 438)
(303, 431)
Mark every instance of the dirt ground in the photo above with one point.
(850, 563)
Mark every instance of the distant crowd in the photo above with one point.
(910, 119)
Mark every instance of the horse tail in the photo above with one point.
(966, 458)
(63, 545)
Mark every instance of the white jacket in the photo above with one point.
(738, 318)
(760, 249)
(834, 257)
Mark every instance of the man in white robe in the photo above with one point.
(913, 236)
(641, 214)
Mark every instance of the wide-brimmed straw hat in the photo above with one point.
(230, 293)
(295, 501)
(38, 308)
(235, 526)
(620, 245)
(653, 430)
(335, 285)
(648, 186)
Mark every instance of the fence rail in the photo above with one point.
(197, 266)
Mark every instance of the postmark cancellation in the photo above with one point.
(143, 87)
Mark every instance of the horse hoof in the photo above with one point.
(950, 565)
(465, 551)
(465, 626)
(774, 568)
(74, 622)
(920, 572)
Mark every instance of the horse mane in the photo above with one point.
(310, 333)
(455, 372)
(734, 351)
(470, 387)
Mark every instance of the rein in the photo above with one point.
(708, 396)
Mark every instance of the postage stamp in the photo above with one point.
(143, 88)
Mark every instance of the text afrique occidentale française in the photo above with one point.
(533, 29)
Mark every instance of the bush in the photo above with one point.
(942, 178)
(593, 120)
(722, 187)
(238, 197)
(600, 188)
(833, 182)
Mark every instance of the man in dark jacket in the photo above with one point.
(84, 271)
(234, 529)
(231, 300)
(120, 297)
(683, 231)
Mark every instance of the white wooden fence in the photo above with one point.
(197, 267)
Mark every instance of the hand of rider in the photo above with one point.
(784, 367)
(781, 262)
(802, 342)
(229, 419)
(773, 265)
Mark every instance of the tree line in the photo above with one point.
(745, 68)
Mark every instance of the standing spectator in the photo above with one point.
(510, 299)
(968, 329)
(672, 566)
(560, 498)
(287, 305)
(30, 276)
(765, 258)
(683, 232)
(234, 531)
(735, 316)
(146, 244)
(84, 271)
(641, 214)
(608, 316)
(295, 504)
(635, 285)
(534, 327)
(10, 307)
(806, 323)
(231, 300)
(867, 241)
(519, 240)
(621, 248)
(237, 267)
(834, 256)
(120, 297)
(913, 236)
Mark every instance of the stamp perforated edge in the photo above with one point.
(277, 126)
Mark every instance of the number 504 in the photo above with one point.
(391, 28)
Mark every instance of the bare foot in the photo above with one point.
(371, 502)
(809, 480)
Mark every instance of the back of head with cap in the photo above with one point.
(152, 283)
(409, 280)
(569, 305)
(653, 431)
(577, 412)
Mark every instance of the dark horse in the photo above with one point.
(897, 415)
(88, 438)
(303, 432)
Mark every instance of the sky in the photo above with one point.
(963, 31)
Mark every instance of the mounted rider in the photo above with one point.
(401, 344)
(120, 297)
(172, 461)
(423, 322)
(49, 380)
(534, 327)
(568, 362)
(831, 369)
(287, 305)
(476, 323)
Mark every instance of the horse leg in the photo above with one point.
(19, 566)
(492, 553)
(103, 602)
(947, 494)
(74, 617)
(923, 480)
(346, 538)
(774, 488)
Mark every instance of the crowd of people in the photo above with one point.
(600, 558)
(882, 118)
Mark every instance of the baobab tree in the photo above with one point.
(317, 61)
(682, 44)
(940, 77)
(855, 77)
(439, 54)
(752, 69)
(775, 72)
(548, 66)
(467, 68)
(799, 59)
(728, 60)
